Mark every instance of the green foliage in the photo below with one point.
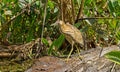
(118, 35)
(45, 41)
(113, 56)
(51, 4)
(56, 43)
(28, 26)
(114, 7)
(11, 66)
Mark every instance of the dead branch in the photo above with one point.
(98, 18)
(17, 50)
(79, 15)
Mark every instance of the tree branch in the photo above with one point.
(98, 18)
(79, 15)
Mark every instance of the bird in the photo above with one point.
(72, 35)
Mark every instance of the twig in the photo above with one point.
(113, 67)
(44, 19)
(61, 8)
(79, 15)
(73, 12)
(98, 18)
(101, 52)
(40, 41)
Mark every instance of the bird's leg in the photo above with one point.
(70, 51)
(78, 52)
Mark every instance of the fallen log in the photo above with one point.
(93, 60)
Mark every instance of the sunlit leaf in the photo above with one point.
(78, 1)
(50, 4)
(113, 56)
(37, 2)
(114, 23)
(55, 10)
(45, 41)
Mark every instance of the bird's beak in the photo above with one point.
(56, 23)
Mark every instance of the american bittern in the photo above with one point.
(72, 34)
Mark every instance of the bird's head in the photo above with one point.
(61, 22)
(58, 22)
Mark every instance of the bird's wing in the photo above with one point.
(67, 29)
(77, 35)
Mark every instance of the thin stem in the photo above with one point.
(79, 15)
(39, 47)
(61, 6)
(73, 13)
(44, 19)
(113, 67)
(99, 18)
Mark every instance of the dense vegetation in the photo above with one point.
(22, 21)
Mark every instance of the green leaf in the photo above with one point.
(113, 24)
(51, 4)
(118, 35)
(57, 43)
(37, 2)
(45, 41)
(78, 1)
(85, 29)
(55, 10)
(113, 56)
(50, 49)
(111, 7)
(77, 25)
(87, 2)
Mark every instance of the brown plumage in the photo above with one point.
(72, 34)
